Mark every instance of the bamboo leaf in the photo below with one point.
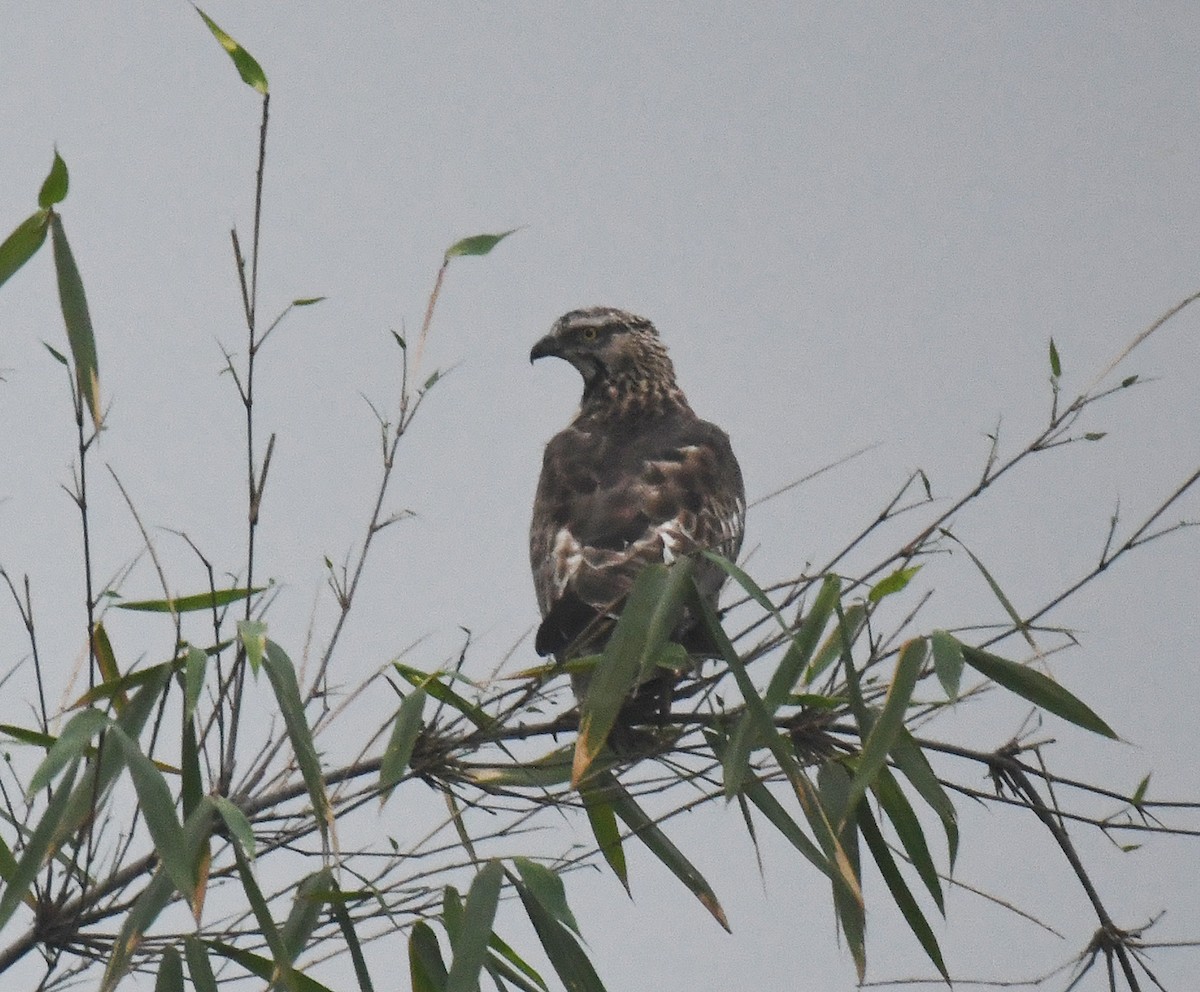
(199, 967)
(889, 723)
(70, 746)
(146, 909)
(561, 946)
(803, 644)
(895, 804)
(195, 666)
(900, 892)
(894, 583)
(282, 676)
(264, 968)
(947, 662)
(120, 686)
(438, 689)
(22, 244)
(426, 969)
(337, 906)
(649, 833)
(158, 810)
(911, 761)
(850, 625)
(752, 588)
(190, 604)
(237, 822)
(107, 662)
(54, 188)
(170, 971)
(1039, 689)
(405, 730)
(547, 888)
(250, 71)
(651, 613)
(603, 821)
(305, 913)
(479, 244)
(78, 320)
(471, 943)
(308, 301)
(282, 968)
(40, 845)
(1055, 361)
(253, 635)
(834, 784)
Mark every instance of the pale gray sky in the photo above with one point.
(852, 223)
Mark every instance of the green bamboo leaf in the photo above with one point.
(889, 723)
(547, 888)
(561, 946)
(900, 892)
(1055, 362)
(39, 846)
(550, 770)
(27, 736)
(282, 676)
(70, 746)
(57, 355)
(199, 967)
(603, 820)
(253, 635)
(893, 583)
(262, 914)
(1139, 794)
(54, 189)
(106, 660)
(899, 810)
(834, 782)
(1011, 610)
(505, 965)
(435, 687)
(426, 969)
(479, 244)
(195, 666)
(803, 644)
(119, 687)
(850, 624)
(305, 914)
(250, 71)
(8, 864)
(650, 834)
(651, 613)
(190, 604)
(78, 320)
(146, 909)
(170, 971)
(264, 968)
(158, 810)
(308, 301)
(192, 782)
(752, 588)
(470, 944)
(1037, 688)
(405, 730)
(20, 246)
(237, 822)
(947, 662)
(337, 906)
(911, 761)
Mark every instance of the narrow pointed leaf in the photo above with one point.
(947, 662)
(107, 663)
(262, 915)
(650, 834)
(170, 972)
(911, 761)
(899, 810)
(894, 583)
(800, 651)
(54, 189)
(898, 887)
(889, 723)
(194, 670)
(1055, 361)
(603, 821)
(199, 967)
(190, 604)
(123, 684)
(237, 822)
(282, 676)
(337, 906)
(470, 946)
(547, 888)
(71, 744)
(850, 625)
(253, 635)
(561, 946)
(426, 969)
(264, 968)
(308, 301)
(479, 244)
(20, 246)
(834, 784)
(78, 320)
(145, 910)
(405, 730)
(305, 913)
(651, 613)
(192, 782)
(57, 355)
(440, 691)
(1039, 689)
(250, 71)
(158, 810)
(40, 845)
(752, 588)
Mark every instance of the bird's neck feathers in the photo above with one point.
(645, 388)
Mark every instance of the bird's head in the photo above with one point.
(618, 354)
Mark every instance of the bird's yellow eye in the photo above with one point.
(589, 334)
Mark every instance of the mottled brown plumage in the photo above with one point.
(636, 477)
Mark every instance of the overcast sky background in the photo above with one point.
(853, 224)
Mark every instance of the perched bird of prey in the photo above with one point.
(635, 478)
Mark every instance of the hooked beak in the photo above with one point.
(548, 346)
